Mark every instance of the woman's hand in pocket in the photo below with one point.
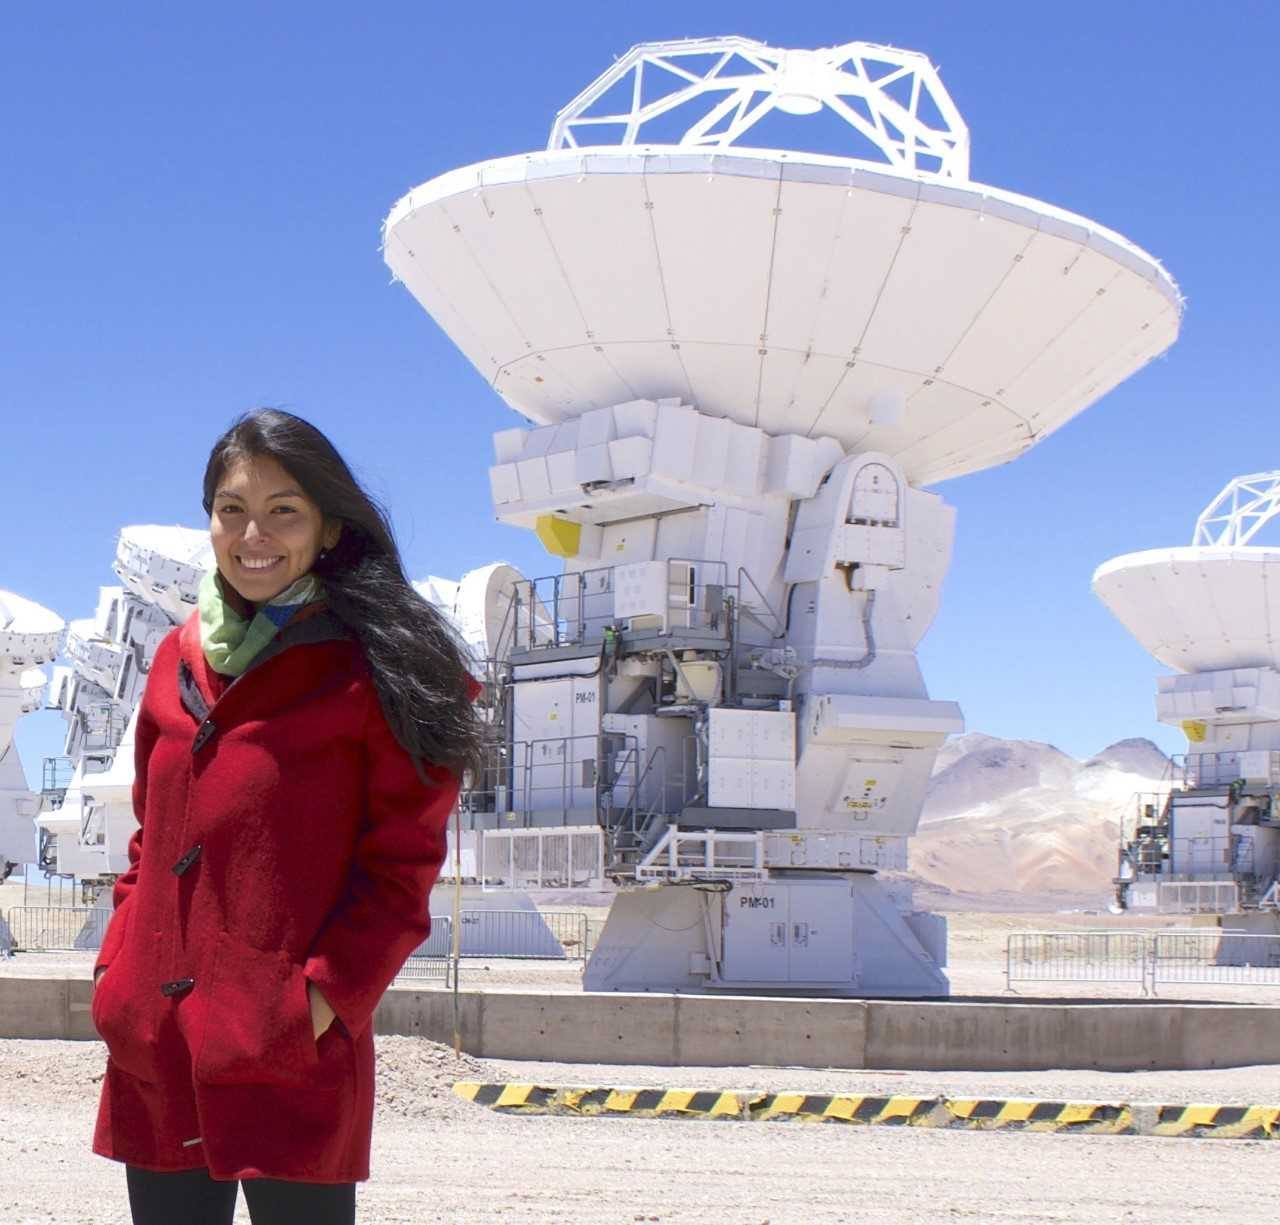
(322, 1013)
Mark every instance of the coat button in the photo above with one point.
(187, 860)
(204, 733)
(178, 984)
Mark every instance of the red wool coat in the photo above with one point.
(285, 837)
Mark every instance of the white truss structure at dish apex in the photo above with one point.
(30, 637)
(745, 80)
(947, 324)
(1245, 506)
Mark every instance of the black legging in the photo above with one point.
(191, 1197)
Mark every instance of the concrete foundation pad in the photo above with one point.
(708, 1031)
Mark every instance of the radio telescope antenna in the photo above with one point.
(744, 361)
(1240, 511)
(29, 638)
(1210, 612)
(894, 99)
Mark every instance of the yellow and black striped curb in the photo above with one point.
(959, 1113)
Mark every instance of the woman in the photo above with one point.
(298, 752)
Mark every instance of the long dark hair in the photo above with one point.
(418, 665)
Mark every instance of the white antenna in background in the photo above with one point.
(30, 637)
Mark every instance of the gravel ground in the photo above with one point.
(436, 1158)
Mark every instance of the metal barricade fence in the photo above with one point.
(525, 934)
(1217, 957)
(1208, 956)
(57, 928)
(522, 934)
(1116, 957)
(432, 960)
(571, 929)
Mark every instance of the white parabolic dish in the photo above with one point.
(163, 565)
(1198, 609)
(949, 324)
(29, 633)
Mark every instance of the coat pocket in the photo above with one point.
(257, 1021)
(130, 1015)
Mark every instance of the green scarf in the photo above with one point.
(231, 641)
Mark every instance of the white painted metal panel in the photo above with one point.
(860, 259)
(773, 785)
(504, 483)
(946, 417)
(1155, 335)
(550, 389)
(730, 733)
(809, 228)
(418, 277)
(1122, 308)
(653, 368)
(640, 589)
(794, 387)
(952, 255)
(847, 412)
(729, 783)
(714, 234)
(820, 934)
(602, 247)
(724, 380)
(500, 228)
(773, 735)
(755, 933)
(1013, 330)
(428, 250)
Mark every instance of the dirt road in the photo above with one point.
(438, 1159)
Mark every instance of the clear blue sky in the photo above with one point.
(190, 202)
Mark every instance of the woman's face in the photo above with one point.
(266, 532)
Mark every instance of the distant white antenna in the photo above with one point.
(1237, 514)
(895, 99)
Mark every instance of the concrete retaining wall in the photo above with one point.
(45, 1008)
(670, 1030)
(687, 1030)
(695, 1031)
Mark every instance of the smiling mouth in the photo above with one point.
(258, 563)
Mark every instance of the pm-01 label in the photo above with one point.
(757, 903)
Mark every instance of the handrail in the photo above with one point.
(525, 760)
(744, 607)
(568, 622)
(1219, 768)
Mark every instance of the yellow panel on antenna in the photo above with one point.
(1196, 730)
(560, 537)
